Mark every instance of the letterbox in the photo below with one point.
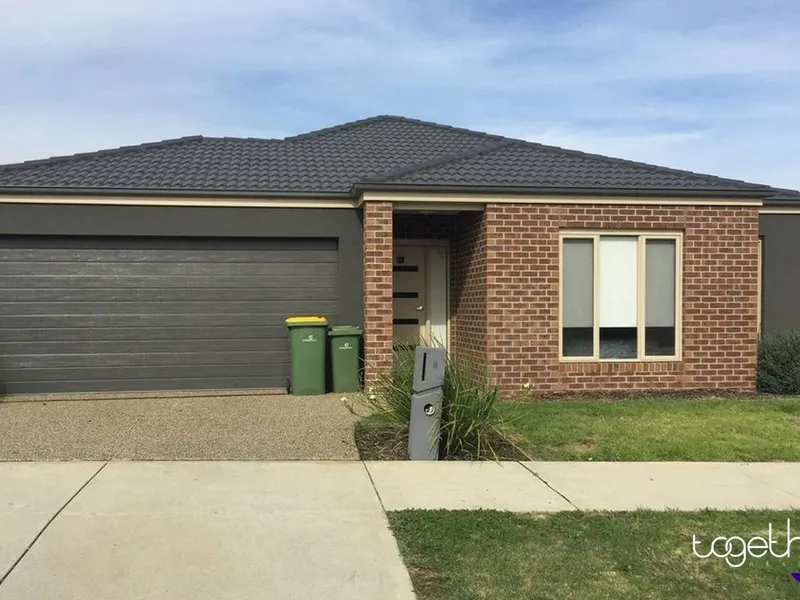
(426, 403)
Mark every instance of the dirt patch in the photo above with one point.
(582, 447)
(427, 583)
(380, 442)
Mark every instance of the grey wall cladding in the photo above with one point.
(207, 229)
(781, 272)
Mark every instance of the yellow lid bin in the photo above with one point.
(304, 320)
(307, 338)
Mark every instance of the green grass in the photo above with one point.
(660, 429)
(589, 556)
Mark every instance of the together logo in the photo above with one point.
(736, 550)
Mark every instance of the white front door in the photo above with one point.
(420, 294)
(409, 294)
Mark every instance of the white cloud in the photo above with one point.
(713, 83)
(770, 160)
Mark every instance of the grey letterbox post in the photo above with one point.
(426, 403)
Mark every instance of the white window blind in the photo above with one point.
(578, 269)
(618, 273)
(660, 284)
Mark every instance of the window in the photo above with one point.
(620, 296)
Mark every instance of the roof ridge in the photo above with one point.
(233, 138)
(641, 165)
(485, 134)
(441, 160)
(96, 153)
(333, 128)
(368, 120)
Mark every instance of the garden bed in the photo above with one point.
(377, 439)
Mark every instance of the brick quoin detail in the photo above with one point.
(521, 272)
(378, 325)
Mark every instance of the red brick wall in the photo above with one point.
(378, 327)
(468, 317)
(720, 266)
(504, 293)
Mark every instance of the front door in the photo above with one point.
(410, 312)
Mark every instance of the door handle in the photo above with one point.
(419, 308)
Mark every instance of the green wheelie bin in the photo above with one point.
(345, 342)
(307, 339)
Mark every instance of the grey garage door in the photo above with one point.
(119, 314)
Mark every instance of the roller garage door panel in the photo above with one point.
(127, 314)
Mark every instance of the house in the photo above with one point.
(172, 265)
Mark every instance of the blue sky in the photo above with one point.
(706, 85)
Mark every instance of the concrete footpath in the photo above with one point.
(300, 530)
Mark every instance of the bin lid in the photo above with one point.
(306, 321)
(341, 330)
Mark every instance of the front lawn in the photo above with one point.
(659, 429)
(489, 555)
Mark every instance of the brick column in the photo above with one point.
(378, 324)
(468, 267)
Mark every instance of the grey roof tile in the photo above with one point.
(385, 150)
(526, 164)
(330, 160)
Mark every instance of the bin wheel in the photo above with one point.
(288, 386)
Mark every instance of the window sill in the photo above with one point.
(590, 360)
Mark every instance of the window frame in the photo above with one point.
(641, 239)
(760, 288)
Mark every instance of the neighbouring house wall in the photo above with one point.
(781, 272)
(378, 283)
(468, 277)
(720, 267)
(343, 225)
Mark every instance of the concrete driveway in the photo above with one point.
(177, 531)
(176, 426)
